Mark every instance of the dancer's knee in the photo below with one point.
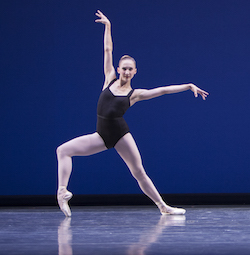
(139, 173)
(60, 151)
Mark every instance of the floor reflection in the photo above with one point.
(65, 237)
(147, 236)
(150, 236)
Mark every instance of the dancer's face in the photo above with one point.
(127, 69)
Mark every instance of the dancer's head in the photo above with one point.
(127, 57)
(127, 67)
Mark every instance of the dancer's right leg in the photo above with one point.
(81, 146)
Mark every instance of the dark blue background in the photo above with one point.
(52, 74)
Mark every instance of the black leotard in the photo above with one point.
(111, 125)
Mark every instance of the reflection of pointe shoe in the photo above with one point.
(64, 231)
(63, 199)
(65, 237)
(66, 223)
(165, 209)
(172, 220)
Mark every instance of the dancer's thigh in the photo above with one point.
(127, 149)
(84, 145)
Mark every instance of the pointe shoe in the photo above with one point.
(174, 211)
(63, 198)
(165, 209)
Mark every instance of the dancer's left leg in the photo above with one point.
(127, 149)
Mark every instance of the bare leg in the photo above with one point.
(81, 146)
(127, 149)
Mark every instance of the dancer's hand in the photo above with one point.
(103, 19)
(197, 91)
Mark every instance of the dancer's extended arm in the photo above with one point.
(109, 69)
(145, 94)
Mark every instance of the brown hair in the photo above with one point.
(127, 57)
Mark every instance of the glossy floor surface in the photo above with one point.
(128, 230)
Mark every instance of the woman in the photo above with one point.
(112, 131)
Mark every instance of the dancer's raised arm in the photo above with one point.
(109, 69)
(145, 94)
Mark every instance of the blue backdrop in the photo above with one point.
(52, 74)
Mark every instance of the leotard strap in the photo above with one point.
(130, 93)
(112, 82)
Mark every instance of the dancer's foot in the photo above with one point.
(63, 196)
(166, 209)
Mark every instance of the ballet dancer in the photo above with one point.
(112, 131)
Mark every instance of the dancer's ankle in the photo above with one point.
(163, 207)
(62, 188)
(160, 203)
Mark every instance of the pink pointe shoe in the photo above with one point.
(165, 209)
(63, 196)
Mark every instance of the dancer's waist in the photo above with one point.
(109, 118)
